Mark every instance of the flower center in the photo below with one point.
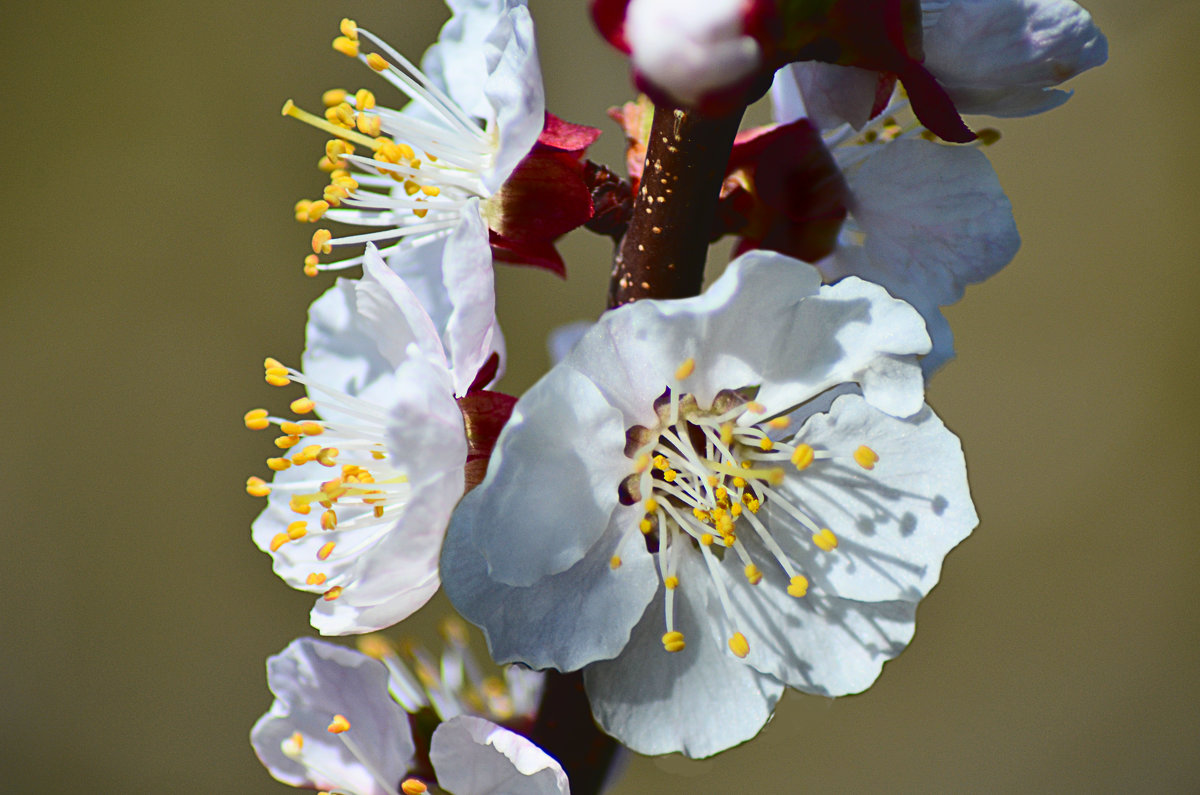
(425, 161)
(365, 483)
(704, 475)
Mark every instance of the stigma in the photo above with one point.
(407, 179)
(702, 478)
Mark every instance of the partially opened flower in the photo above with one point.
(926, 219)
(713, 498)
(993, 57)
(472, 163)
(361, 498)
(334, 726)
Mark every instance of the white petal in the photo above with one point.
(698, 701)
(563, 339)
(456, 62)
(312, 682)
(818, 644)
(468, 280)
(1000, 57)
(564, 621)
(392, 314)
(552, 481)
(473, 756)
(514, 90)
(828, 94)
(340, 352)
(894, 523)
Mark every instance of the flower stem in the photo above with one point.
(566, 730)
(662, 254)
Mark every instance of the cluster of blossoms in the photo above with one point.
(711, 496)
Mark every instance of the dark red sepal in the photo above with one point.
(609, 17)
(484, 415)
(486, 374)
(784, 192)
(567, 136)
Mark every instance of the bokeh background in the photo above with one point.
(152, 262)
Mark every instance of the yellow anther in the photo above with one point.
(375, 646)
(411, 786)
(310, 265)
(316, 210)
(615, 563)
(342, 115)
(328, 164)
(256, 419)
(746, 465)
(707, 539)
(278, 464)
(320, 241)
(302, 405)
(802, 456)
(364, 99)
(642, 462)
(300, 210)
(332, 593)
(377, 62)
(431, 190)
(671, 583)
(751, 502)
(778, 423)
(651, 505)
(278, 540)
(377, 455)
(378, 511)
(421, 213)
(285, 442)
(661, 462)
(368, 124)
(332, 97)
(736, 509)
(306, 454)
(739, 645)
(339, 724)
(311, 428)
(346, 46)
(684, 370)
(766, 444)
(865, 457)
(297, 530)
(257, 487)
(646, 526)
(335, 148)
(721, 493)
(299, 505)
(348, 28)
(701, 514)
(753, 574)
(411, 187)
(798, 586)
(825, 539)
(754, 407)
(291, 428)
(727, 433)
(739, 483)
(669, 475)
(673, 641)
(294, 745)
(315, 578)
(712, 480)
(326, 550)
(328, 520)
(775, 476)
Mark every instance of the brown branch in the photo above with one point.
(662, 255)
(566, 730)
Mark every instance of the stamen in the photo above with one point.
(865, 457)
(673, 641)
(411, 786)
(339, 724)
(739, 645)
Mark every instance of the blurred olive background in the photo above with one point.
(152, 262)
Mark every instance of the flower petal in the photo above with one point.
(828, 94)
(563, 621)
(697, 701)
(469, 281)
(514, 90)
(313, 681)
(473, 756)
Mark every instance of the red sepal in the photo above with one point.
(784, 192)
(484, 415)
(486, 374)
(609, 17)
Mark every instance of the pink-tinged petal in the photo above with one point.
(567, 136)
(469, 281)
(473, 756)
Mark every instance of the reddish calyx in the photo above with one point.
(484, 414)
